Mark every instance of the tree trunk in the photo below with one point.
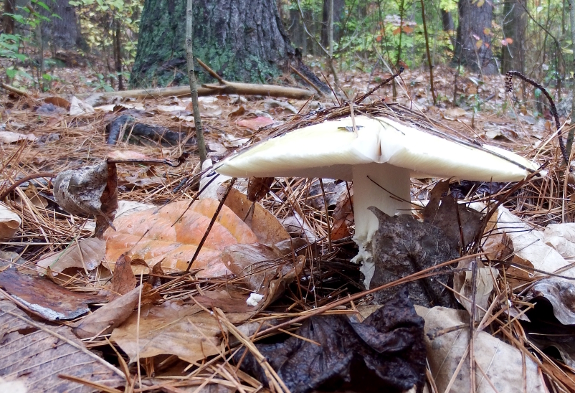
(513, 54)
(297, 32)
(447, 21)
(338, 13)
(242, 40)
(62, 31)
(473, 46)
(7, 21)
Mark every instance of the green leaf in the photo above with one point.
(41, 4)
(11, 72)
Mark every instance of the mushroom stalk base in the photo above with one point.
(386, 187)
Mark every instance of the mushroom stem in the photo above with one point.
(381, 185)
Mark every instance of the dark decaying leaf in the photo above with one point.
(36, 354)
(258, 187)
(385, 353)
(454, 219)
(43, 297)
(402, 246)
(90, 190)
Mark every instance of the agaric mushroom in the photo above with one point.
(379, 156)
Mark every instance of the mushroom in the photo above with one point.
(379, 155)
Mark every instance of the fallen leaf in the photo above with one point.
(78, 107)
(255, 123)
(9, 222)
(501, 362)
(258, 187)
(389, 347)
(463, 286)
(13, 137)
(170, 329)
(38, 353)
(264, 224)
(170, 234)
(58, 101)
(43, 297)
(89, 190)
(109, 316)
(85, 254)
(454, 113)
(123, 280)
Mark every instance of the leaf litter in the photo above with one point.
(139, 311)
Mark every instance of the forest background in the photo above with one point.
(485, 37)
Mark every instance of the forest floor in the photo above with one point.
(167, 330)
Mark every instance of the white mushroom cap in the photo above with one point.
(331, 148)
(381, 156)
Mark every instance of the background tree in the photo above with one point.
(338, 14)
(473, 45)
(61, 30)
(514, 24)
(242, 40)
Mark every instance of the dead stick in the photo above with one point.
(211, 224)
(211, 72)
(14, 90)
(4, 194)
(306, 79)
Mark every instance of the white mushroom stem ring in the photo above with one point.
(379, 159)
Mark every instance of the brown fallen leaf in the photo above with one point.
(123, 280)
(170, 329)
(258, 187)
(109, 316)
(264, 224)
(170, 234)
(255, 123)
(9, 222)
(41, 296)
(84, 254)
(343, 217)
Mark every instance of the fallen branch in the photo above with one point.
(14, 90)
(212, 89)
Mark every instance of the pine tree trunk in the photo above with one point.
(513, 55)
(473, 46)
(242, 40)
(62, 32)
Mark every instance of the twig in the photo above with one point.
(209, 228)
(305, 78)
(509, 85)
(363, 97)
(17, 183)
(213, 73)
(193, 85)
(14, 90)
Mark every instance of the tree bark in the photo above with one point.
(242, 40)
(513, 55)
(62, 31)
(473, 46)
(447, 21)
(338, 13)
(7, 21)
